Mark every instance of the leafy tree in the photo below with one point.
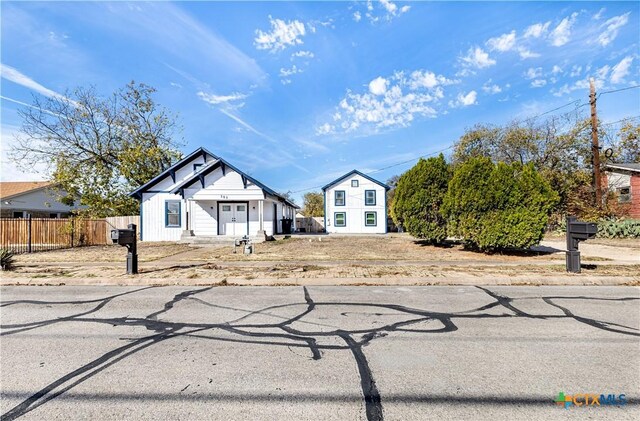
(494, 207)
(391, 193)
(627, 145)
(559, 147)
(418, 197)
(99, 148)
(313, 204)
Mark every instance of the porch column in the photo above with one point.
(261, 233)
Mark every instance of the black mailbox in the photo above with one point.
(123, 236)
(127, 238)
(577, 231)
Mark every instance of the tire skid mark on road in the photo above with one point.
(290, 336)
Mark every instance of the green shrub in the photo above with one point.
(6, 259)
(418, 197)
(496, 207)
(629, 228)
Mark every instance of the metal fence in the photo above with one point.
(28, 235)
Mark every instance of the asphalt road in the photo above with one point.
(343, 353)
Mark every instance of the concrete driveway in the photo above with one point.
(238, 353)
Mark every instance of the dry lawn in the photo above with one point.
(371, 248)
(147, 252)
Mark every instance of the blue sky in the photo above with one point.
(298, 93)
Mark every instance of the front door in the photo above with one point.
(233, 219)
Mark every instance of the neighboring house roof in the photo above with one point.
(631, 167)
(200, 174)
(349, 174)
(9, 189)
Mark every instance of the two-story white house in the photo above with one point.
(355, 204)
(204, 196)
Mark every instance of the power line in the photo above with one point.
(618, 90)
(621, 120)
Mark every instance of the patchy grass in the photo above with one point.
(147, 252)
(364, 249)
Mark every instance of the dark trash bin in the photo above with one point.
(286, 225)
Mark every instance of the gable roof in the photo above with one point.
(10, 189)
(630, 166)
(199, 176)
(349, 174)
(171, 170)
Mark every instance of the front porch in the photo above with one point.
(222, 221)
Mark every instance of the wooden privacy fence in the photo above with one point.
(27, 235)
(114, 222)
(310, 224)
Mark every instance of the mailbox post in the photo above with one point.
(576, 232)
(127, 237)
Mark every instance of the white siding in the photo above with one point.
(153, 217)
(617, 180)
(355, 207)
(205, 217)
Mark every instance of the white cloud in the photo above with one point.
(14, 75)
(621, 70)
(556, 69)
(426, 79)
(598, 15)
(303, 54)
(575, 71)
(325, 129)
(290, 71)
(533, 73)
(214, 99)
(477, 57)
(393, 101)
(536, 30)
(285, 81)
(468, 99)
(388, 11)
(538, 83)
(378, 86)
(612, 26)
(283, 34)
(526, 53)
(491, 88)
(561, 34)
(504, 42)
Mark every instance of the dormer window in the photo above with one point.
(354, 183)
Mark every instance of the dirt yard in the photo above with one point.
(371, 248)
(326, 259)
(147, 252)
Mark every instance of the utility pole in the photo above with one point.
(595, 147)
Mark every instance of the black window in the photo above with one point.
(354, 183)
(624, 194)
(340, 197)
(370, 197)
(370, 219)
(18, 214)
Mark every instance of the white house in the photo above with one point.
(38, 199)
(203, 195)
(355, 204)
